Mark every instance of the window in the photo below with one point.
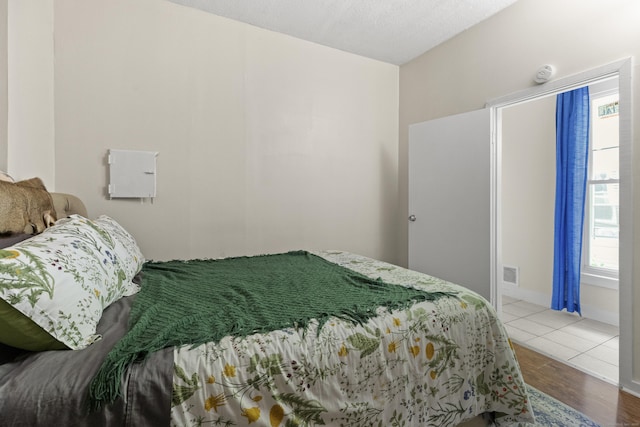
(602, 221)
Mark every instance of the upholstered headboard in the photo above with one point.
(67, 204)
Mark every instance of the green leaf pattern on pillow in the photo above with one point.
(26, 275)
(63, 278)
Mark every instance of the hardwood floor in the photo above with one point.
(604, 403)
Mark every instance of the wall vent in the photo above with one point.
(510, 275)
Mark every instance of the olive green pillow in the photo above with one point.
(17, 330)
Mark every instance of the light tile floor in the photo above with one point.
(586, 344)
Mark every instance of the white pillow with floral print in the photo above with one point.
(63, 278)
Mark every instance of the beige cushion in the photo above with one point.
(67, 204)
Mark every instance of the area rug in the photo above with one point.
(550, 412)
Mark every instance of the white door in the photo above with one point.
(449, 199)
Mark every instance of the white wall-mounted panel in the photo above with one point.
(132, 174)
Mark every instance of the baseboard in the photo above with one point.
(543, 299)
(633, 391)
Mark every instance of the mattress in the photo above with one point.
(437, 362)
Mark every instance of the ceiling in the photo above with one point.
(393, 31)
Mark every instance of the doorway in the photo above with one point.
(531, 301)
(590, 342)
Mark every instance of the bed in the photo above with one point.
(441, 358)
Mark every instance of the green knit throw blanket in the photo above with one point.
(193, 302)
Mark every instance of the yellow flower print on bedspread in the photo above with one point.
(430, 350)
(229, 370)
(344, 351)
(213, 402)
(252, 414)
(415, 350)
(276, 414)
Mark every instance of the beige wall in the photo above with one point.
(3, 85)
(266, 142)
(528, 192)
(30, 116)
(500, 56)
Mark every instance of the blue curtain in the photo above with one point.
(572, 153)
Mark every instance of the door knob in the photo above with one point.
(412, 218)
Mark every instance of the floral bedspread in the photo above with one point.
(437, 363)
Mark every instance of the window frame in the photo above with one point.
(598, 276)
